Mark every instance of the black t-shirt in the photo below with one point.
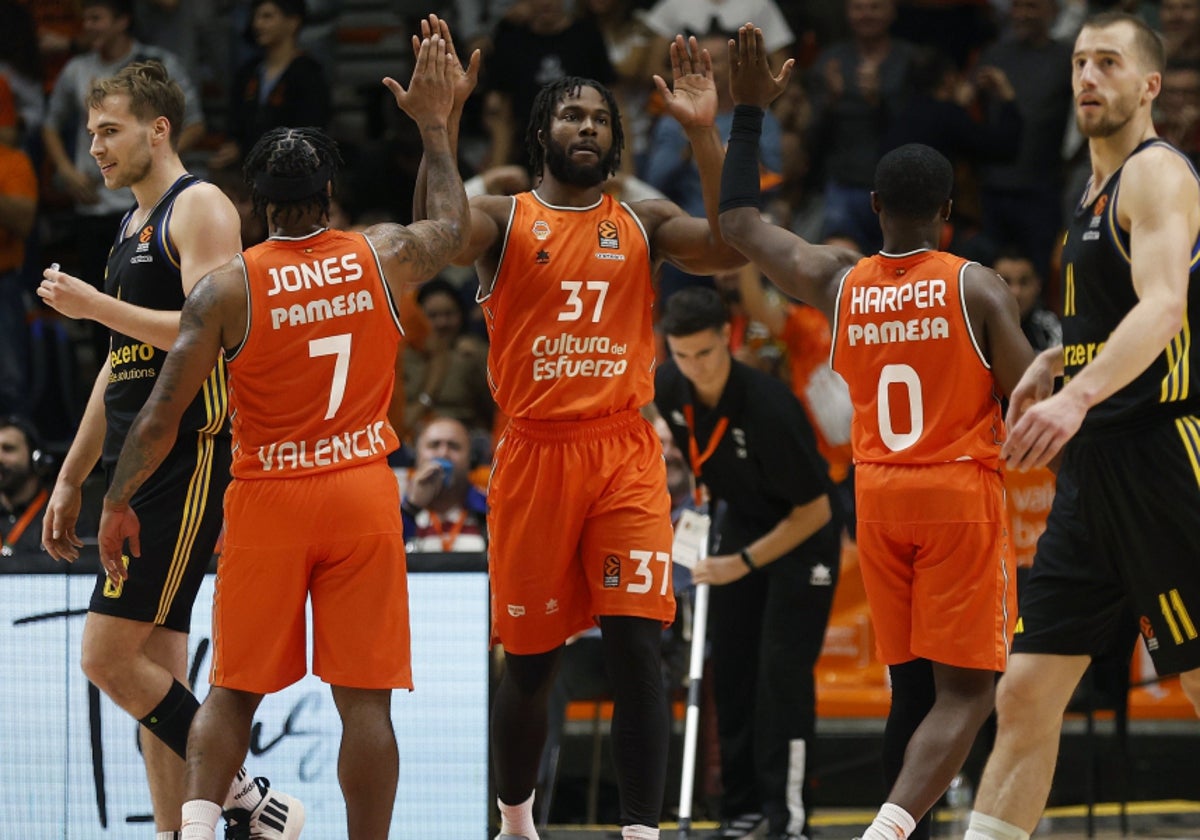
(766, 462)
(522, 62)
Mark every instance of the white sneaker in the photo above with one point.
(277, 817)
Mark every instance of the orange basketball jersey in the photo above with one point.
(570, 312)
(922, 389)
(310, 384)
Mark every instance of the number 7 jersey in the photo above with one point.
(921, 385)
(570, 312)
(310, 384)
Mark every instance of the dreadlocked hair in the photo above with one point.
(292, 153)
(544, 105)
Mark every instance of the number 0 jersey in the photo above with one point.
(570, 312)
(310, 384)
(922, 389)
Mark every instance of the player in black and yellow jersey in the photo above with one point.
(1119, 552)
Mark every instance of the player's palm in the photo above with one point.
(750, 79)
(692, 97)
(430, 94)
(463, 79)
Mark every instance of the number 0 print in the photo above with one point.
(906, 376)
(339, 347)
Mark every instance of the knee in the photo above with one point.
(1021, 707)
(103, 669)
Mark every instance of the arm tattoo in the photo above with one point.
(187, 365)
(429, 245)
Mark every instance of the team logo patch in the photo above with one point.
(541, 229)
(1148, 633)
(147, 233)
(607, 231)
(543, 256)
(612, 572)
(516, 610)
(1101, 204)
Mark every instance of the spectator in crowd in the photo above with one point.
(1021, 200)
(107, 27)
(773, 563)
(859, 86)
(1179, 23)
(1040, 325)
(21, 65)
(938, 113)
(631, 49)
(23, 492)
(1177, 109)
(450, 378)
(543, 44)
(18, 208)
(283, 87)
(442, 509)
(667, 17)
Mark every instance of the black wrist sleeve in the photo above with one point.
(739, 177)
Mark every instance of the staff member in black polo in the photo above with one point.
(773, 563)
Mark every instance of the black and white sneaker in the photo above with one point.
(277, 817)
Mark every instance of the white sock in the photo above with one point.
(243, 793)
(517, 820)
(639, 832)
(983, 827)
(891, 823)
(200, 820)
(166, 835)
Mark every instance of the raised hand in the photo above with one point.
(430, 94)
(464, 80)
(692, 97)
(750, 78)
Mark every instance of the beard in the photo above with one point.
(1108, 124)
(13, 479)
(136, 165)
(576, 174)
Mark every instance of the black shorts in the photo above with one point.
(1121, 550)
(180, 508)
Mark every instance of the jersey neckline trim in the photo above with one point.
(911, 253)
(545, 203)
(282, 238)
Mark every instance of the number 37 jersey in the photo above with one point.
(922, 388)
(311, 382)
(570, 312)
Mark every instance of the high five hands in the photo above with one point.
(692, 97)
(750, 79)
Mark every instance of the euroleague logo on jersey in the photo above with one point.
(607, 232)
(612, 572)
(147, 232)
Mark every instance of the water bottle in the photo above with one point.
(960, 797)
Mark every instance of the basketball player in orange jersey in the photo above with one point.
(927, 343)
(307, 322)
(579, 512)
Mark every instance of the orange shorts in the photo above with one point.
(336, 536)
(580, 526)
(937, 563)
